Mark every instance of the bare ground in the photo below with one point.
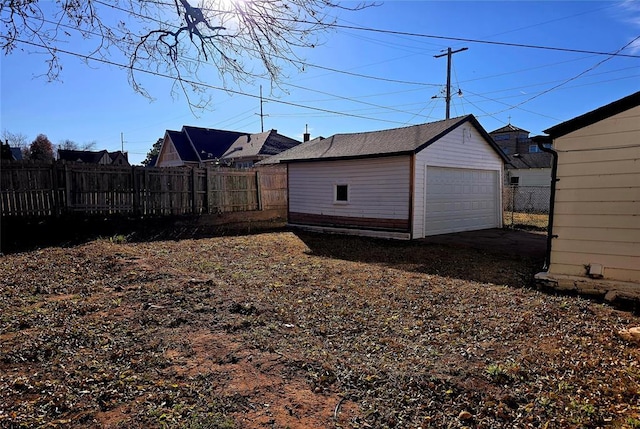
(300, 330)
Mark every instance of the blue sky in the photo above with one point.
(533, 88)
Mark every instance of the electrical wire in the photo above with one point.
(479, 41)
(200, 84)
(599, 63)
(348, 99)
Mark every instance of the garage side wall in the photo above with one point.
(597, 204)
(377, 188)
(463, 148)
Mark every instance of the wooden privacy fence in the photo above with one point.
(40, 190)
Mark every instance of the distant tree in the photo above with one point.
(68, 145)
(16, 140)
(71, 145)
(153, 152)
(41, 149)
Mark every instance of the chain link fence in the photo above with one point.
(526, 207)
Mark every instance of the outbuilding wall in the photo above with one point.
(597, 203)
(378, 189)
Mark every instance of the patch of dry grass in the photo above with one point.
(303, 331)
(523, 220)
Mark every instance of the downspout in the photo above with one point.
(541, 140)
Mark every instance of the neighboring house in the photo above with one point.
(102, 157)
(594, 231)
(119, 158)
(512, 139)
(527, 175)
(203, 146)
(11, 153)
(526, 164)
(404, 183)
(153, 161)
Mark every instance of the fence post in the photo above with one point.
(513, 202)
(136, 191)
(67, 188)
(207, 189)
(55, 191)
(194, 193)
(258, 190)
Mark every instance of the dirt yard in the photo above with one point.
(284, 330)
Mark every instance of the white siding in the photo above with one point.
(463, 147)
(597, 205)
(378, 187)
(530, 176)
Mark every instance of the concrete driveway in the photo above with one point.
(505, 241)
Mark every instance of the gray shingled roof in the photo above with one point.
(530, 160)
(196, 144)
(508, 129)
(210, 144)
(266, 143)
(86, 156)
(378, 143)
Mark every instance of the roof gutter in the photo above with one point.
(541, 141)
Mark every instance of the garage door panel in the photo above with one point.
(460, 200)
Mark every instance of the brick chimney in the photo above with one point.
(306, 136)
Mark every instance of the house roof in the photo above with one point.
(529, 160)
(16, 154)
(183, 146)
(86, 156)
(153, 161)
(210, 144)
(397, 141)
(266, 144)
(594, 116)
(116, 154)
(508, 129)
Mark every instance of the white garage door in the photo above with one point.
(459, 199)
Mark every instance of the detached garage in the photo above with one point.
(404, 183)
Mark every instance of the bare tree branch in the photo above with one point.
(240, 39)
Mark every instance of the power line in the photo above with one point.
(298, 61)
(348, 99)
(506, 104)
(457, 39)
(467, 40)
(611, 55)
(201, 84)
(574, 77)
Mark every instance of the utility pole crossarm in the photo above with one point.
(449, 53)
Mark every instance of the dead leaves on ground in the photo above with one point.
(309, 331)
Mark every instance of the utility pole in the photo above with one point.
(122, 141)
(449, 53)
(261, 114)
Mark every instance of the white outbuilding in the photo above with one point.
(405, 183)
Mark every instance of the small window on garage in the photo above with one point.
(342, 193)
(515, 181)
